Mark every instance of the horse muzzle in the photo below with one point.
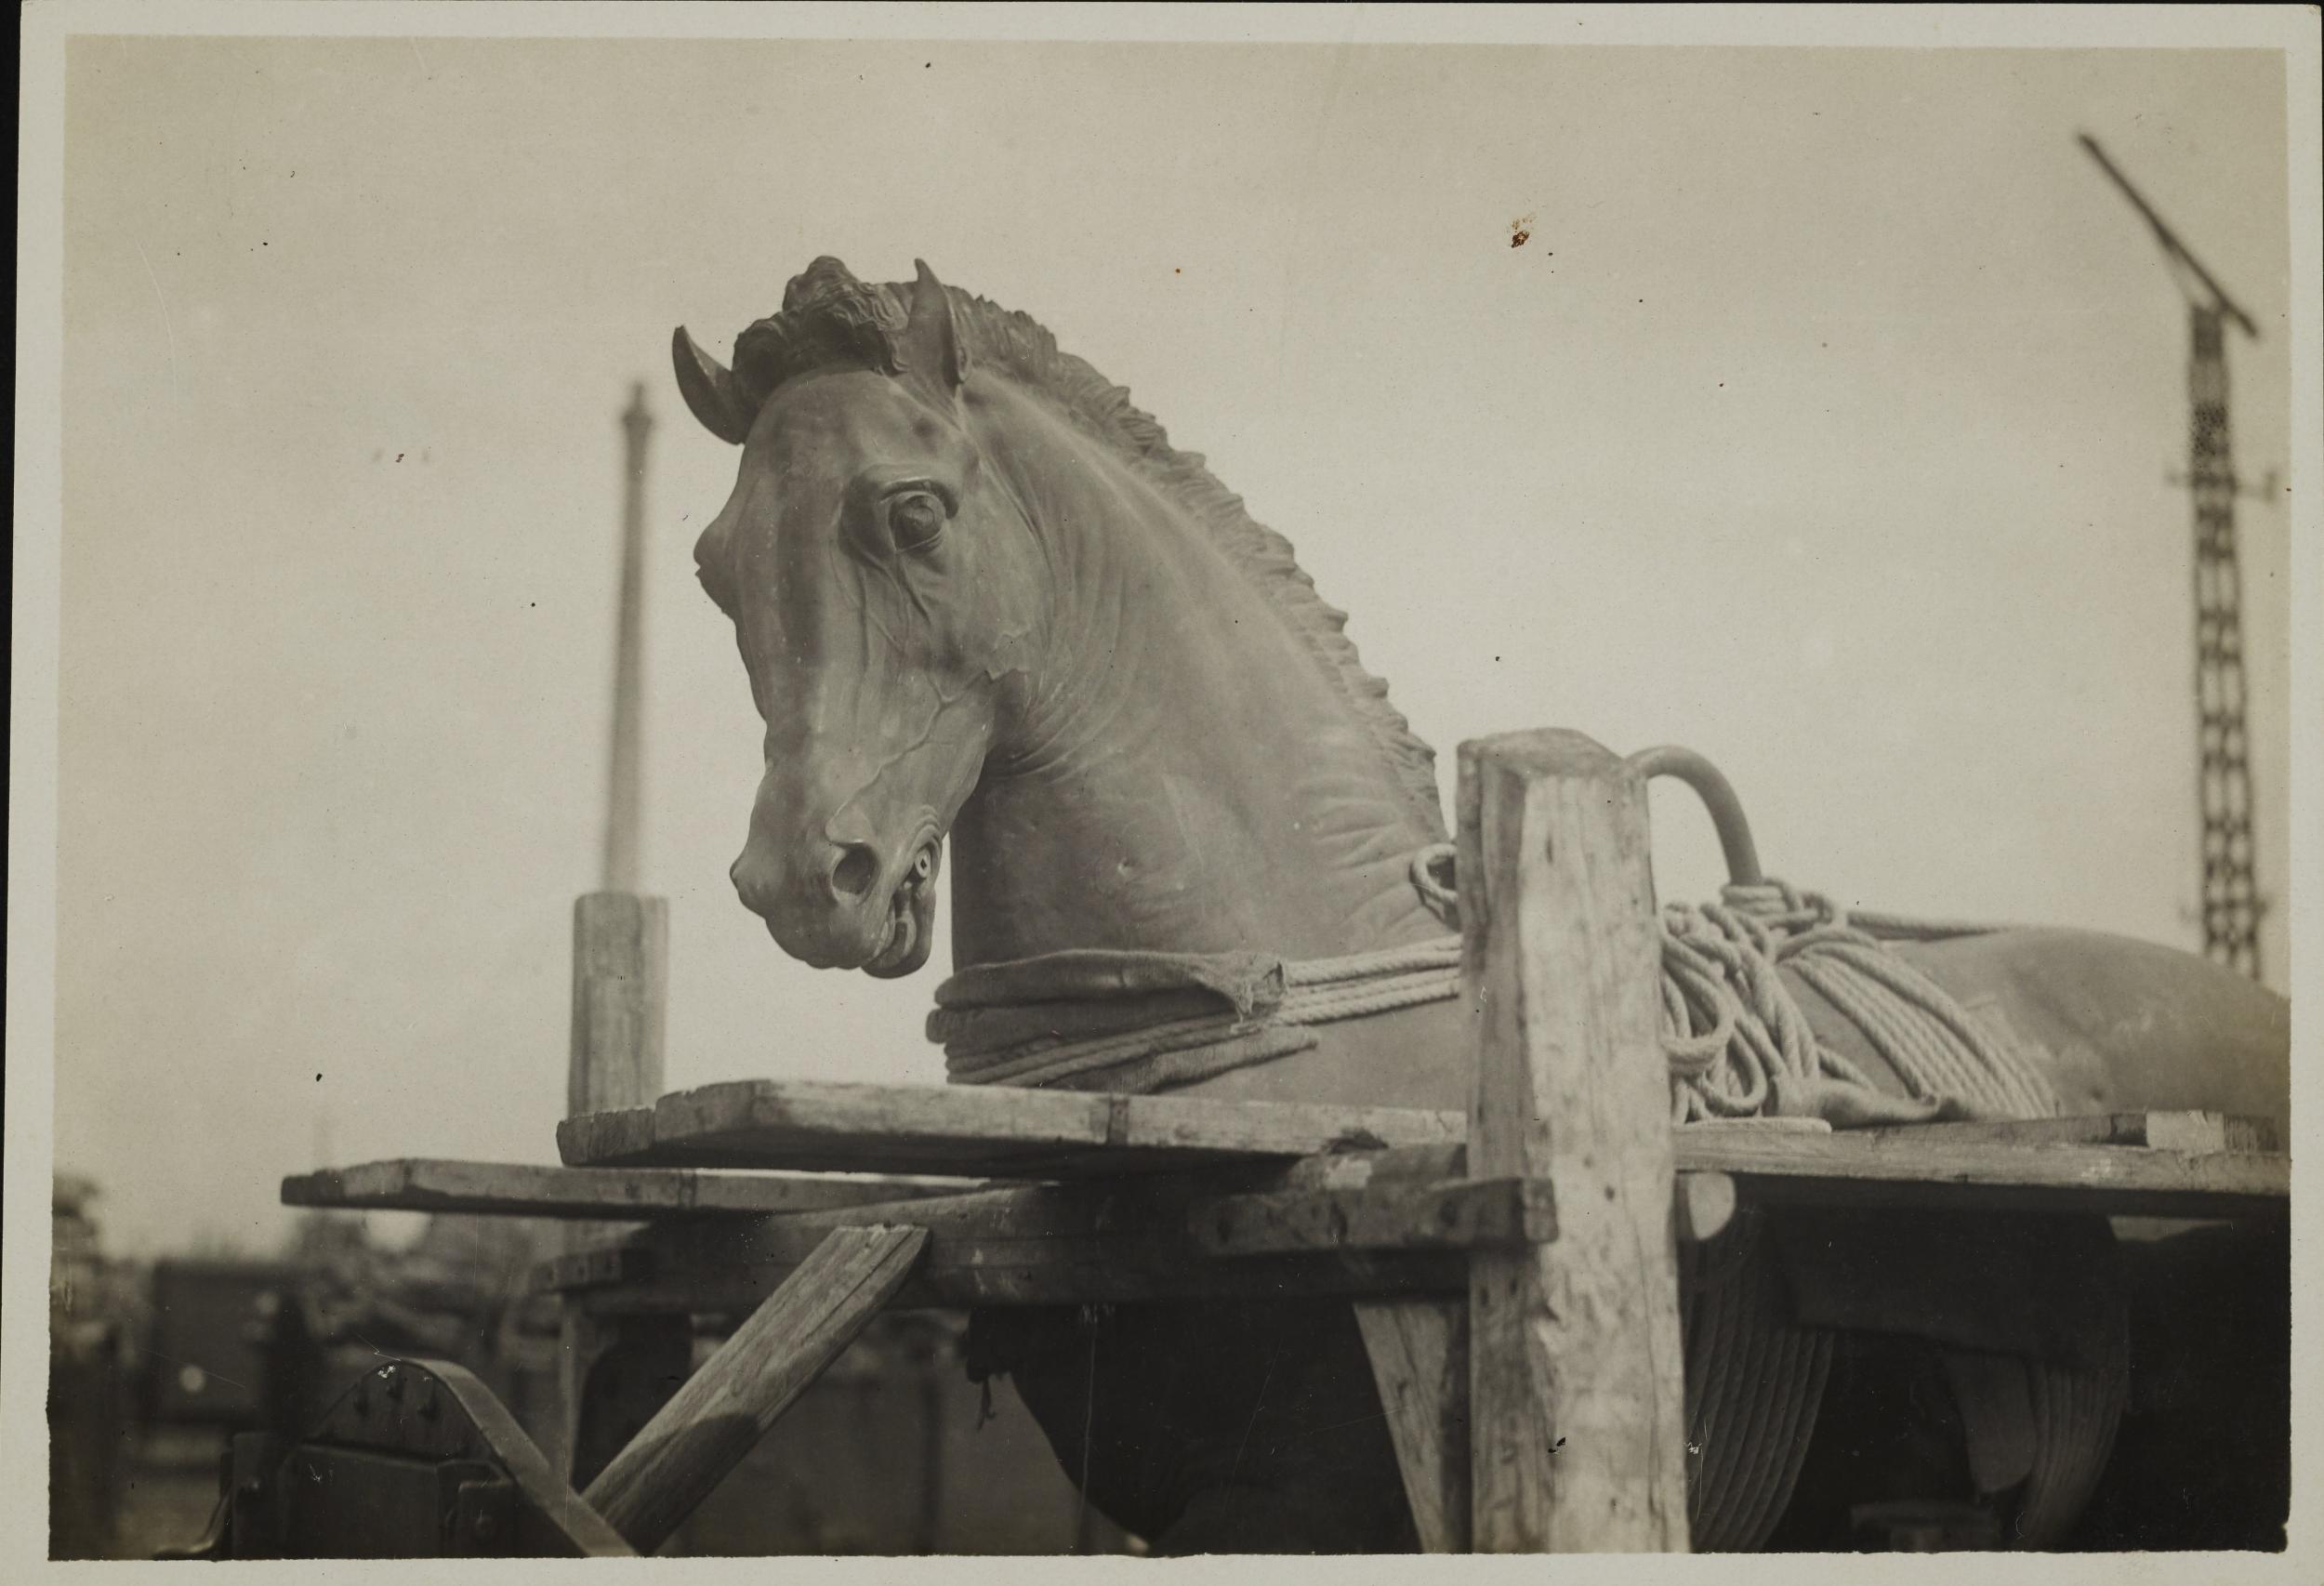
(848, 910)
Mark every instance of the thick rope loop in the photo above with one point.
(1726, 956)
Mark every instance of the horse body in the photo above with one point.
(983, 601)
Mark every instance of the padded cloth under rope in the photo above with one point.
(1737, 1041)
(1138, 1022)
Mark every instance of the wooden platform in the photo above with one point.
(2123, 1164)
(1514, 1266)
(2048, 1169)
(1128, 1198)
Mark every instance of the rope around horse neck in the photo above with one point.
(1733, 1034)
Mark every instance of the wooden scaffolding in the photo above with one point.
(1514, 1268)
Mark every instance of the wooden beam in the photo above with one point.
(620, 996)
(1326, 1225)
(1457, 1214)
(1934, 1166)
(718, 1416)
(1577, 1401)
(2188, 1131)
(1034, 1244)
(1419, 1354)
(617, 1137)
(700, 1276)
(524, 1190)
(983, 1132)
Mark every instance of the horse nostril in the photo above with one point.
(855, 872)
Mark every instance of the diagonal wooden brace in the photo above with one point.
(417, 1459)
(712, 1423)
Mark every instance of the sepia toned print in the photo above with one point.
(572, 548)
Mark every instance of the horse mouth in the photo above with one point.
(911, 927)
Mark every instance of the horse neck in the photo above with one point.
(1180, 774)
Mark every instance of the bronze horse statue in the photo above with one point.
(983, 604)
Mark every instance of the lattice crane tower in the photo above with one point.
(2231, 901)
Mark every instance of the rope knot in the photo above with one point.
(1432, 874)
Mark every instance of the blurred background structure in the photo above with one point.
(155, 1366)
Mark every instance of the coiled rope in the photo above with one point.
(1739, 1046)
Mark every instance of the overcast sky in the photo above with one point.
(1821, 423)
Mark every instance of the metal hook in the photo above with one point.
(1718, 796)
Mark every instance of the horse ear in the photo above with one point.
(936, 351)
(710, 391)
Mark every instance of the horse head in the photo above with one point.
(879, 579)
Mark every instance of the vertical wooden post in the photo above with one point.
(620, 1001)
(1576, 1369)
(614, 1374)
(625, 802)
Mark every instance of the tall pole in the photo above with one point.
(2231, 899)
(624, 804)
(613, 1372)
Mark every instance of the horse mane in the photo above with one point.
(830, 318)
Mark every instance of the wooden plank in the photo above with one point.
(620, 995)
(2195, 1132)
(1576, 1402)
(526, 1190)
(1204, 1128)
(1010, 1133)
(618, 1136)
(1930, 1165)
(1032, 1244)
(983, 1132)
(709, 1424)
(698, 1278)
(1419, 1355)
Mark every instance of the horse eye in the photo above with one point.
(915, 519)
